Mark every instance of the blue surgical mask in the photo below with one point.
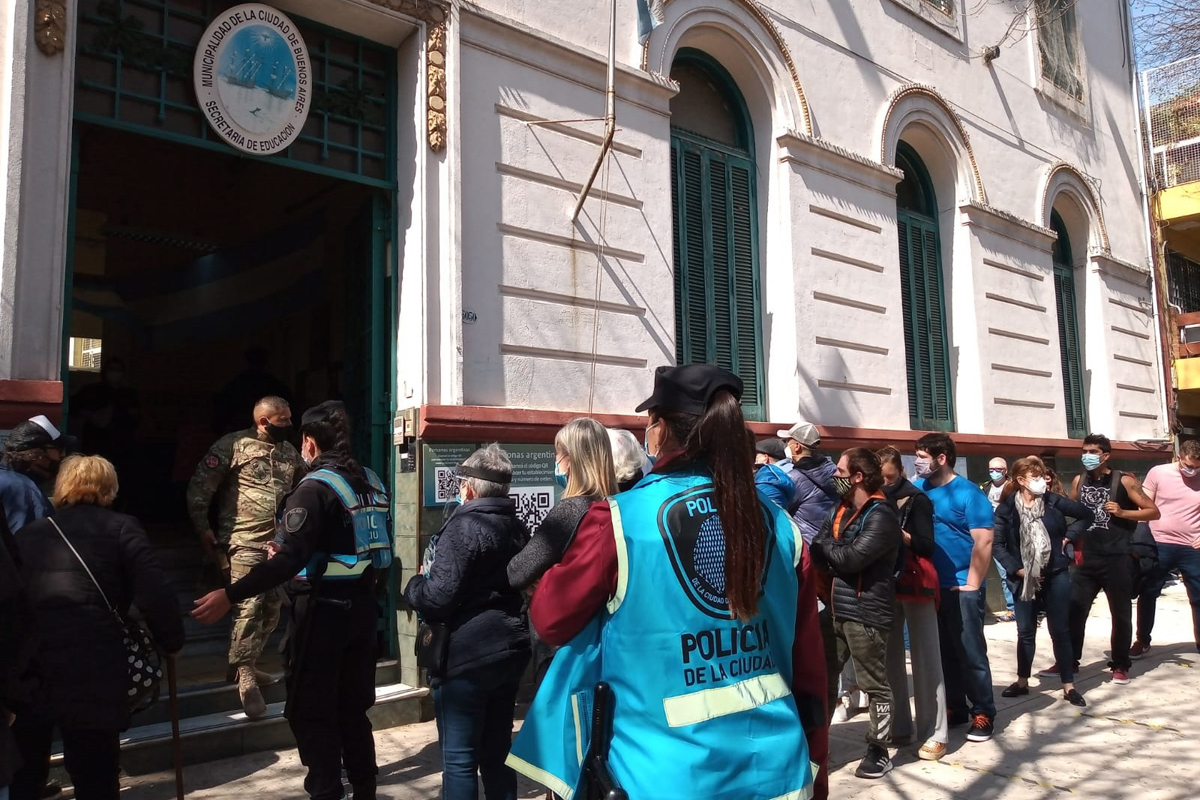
(997, 475)
(560, 477)
(1090, 461)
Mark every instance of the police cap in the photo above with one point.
(690, 388)
(319, 414)
(33, 434)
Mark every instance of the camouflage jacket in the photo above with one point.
(249, 477)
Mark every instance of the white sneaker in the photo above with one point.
(842, 712)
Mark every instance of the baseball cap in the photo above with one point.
(690, 388)
(803, 432)
(771, 447)
(37, 432)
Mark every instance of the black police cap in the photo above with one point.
(318, 414)
(690, 388)
(31, 435)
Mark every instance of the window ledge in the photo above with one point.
(948, 24)
(1077, 107)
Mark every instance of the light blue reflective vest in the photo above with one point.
(703, 702)
(371, 514)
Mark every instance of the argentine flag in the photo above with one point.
(650, 16)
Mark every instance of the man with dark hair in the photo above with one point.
(1175, 489)
(858, 547)
(962, 539)
(1117, 500)
(246, 476)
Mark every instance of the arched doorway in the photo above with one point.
(1068, 330)
(714, 198)
(926, 344)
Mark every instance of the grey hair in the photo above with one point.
(494, 458)
(628, 454)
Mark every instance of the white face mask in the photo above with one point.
(1036, 486)
(1188, 472)
(923, 467)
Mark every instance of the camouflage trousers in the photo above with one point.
(254, 620)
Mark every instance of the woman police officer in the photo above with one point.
(686, 594)
(335, 532)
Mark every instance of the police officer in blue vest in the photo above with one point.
(334, 535)
(684, 595)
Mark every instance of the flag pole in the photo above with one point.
(610, 112)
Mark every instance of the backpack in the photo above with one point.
(917, 578)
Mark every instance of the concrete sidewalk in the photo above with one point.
(1136, 741)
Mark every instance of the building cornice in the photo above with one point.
(1008, 225)
(800, 148)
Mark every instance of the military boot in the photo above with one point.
(252, 699)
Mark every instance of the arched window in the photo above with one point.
(926, 345)
(717, 307)
(1068, 331)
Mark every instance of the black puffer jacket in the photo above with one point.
(80, 658)
(467, 587)
(863, 562)
(1006, 541)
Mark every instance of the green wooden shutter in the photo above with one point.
(1068, 346)
(927, 352)
(717, 308)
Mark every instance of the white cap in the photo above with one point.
(803, 432)
(45, 424)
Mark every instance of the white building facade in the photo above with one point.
(888, 216)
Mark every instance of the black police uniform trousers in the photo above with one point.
(331, 685)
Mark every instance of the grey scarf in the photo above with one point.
(1035, 545)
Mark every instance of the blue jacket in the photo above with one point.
(815, 493)
(776, 485)
(703, 703)
(21, 498)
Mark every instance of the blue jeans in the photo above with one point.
(475, 721)
(965, 665)
(1170, 557)
(1054, 597)
(1008, 595)
(4, 793)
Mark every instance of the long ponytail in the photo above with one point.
(718, 439)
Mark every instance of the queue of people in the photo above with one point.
(718, 583)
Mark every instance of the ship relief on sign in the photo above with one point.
(253, 78)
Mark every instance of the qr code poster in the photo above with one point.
(439, 477)
(533, 504)
(446, 484)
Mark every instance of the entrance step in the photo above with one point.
(147, 748)
(222, 698)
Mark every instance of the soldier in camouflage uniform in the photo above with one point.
(248, 474)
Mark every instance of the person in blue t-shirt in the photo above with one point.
(962, 538)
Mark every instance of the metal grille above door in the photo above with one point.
(134, 71)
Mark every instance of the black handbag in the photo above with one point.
(142, 656)
(433, 644)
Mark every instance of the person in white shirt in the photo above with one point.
(993, 487)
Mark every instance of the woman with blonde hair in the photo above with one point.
(1033, 540)
(583, 467)
(74, 565)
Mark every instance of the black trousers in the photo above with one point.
(92, 758)
(330, 687)
(1112, 574)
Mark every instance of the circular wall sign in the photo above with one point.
(253, 78)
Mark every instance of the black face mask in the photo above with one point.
(279, 433)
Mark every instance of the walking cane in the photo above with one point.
(176, 750)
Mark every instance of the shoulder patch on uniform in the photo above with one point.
(294, 519)
(212, 462)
